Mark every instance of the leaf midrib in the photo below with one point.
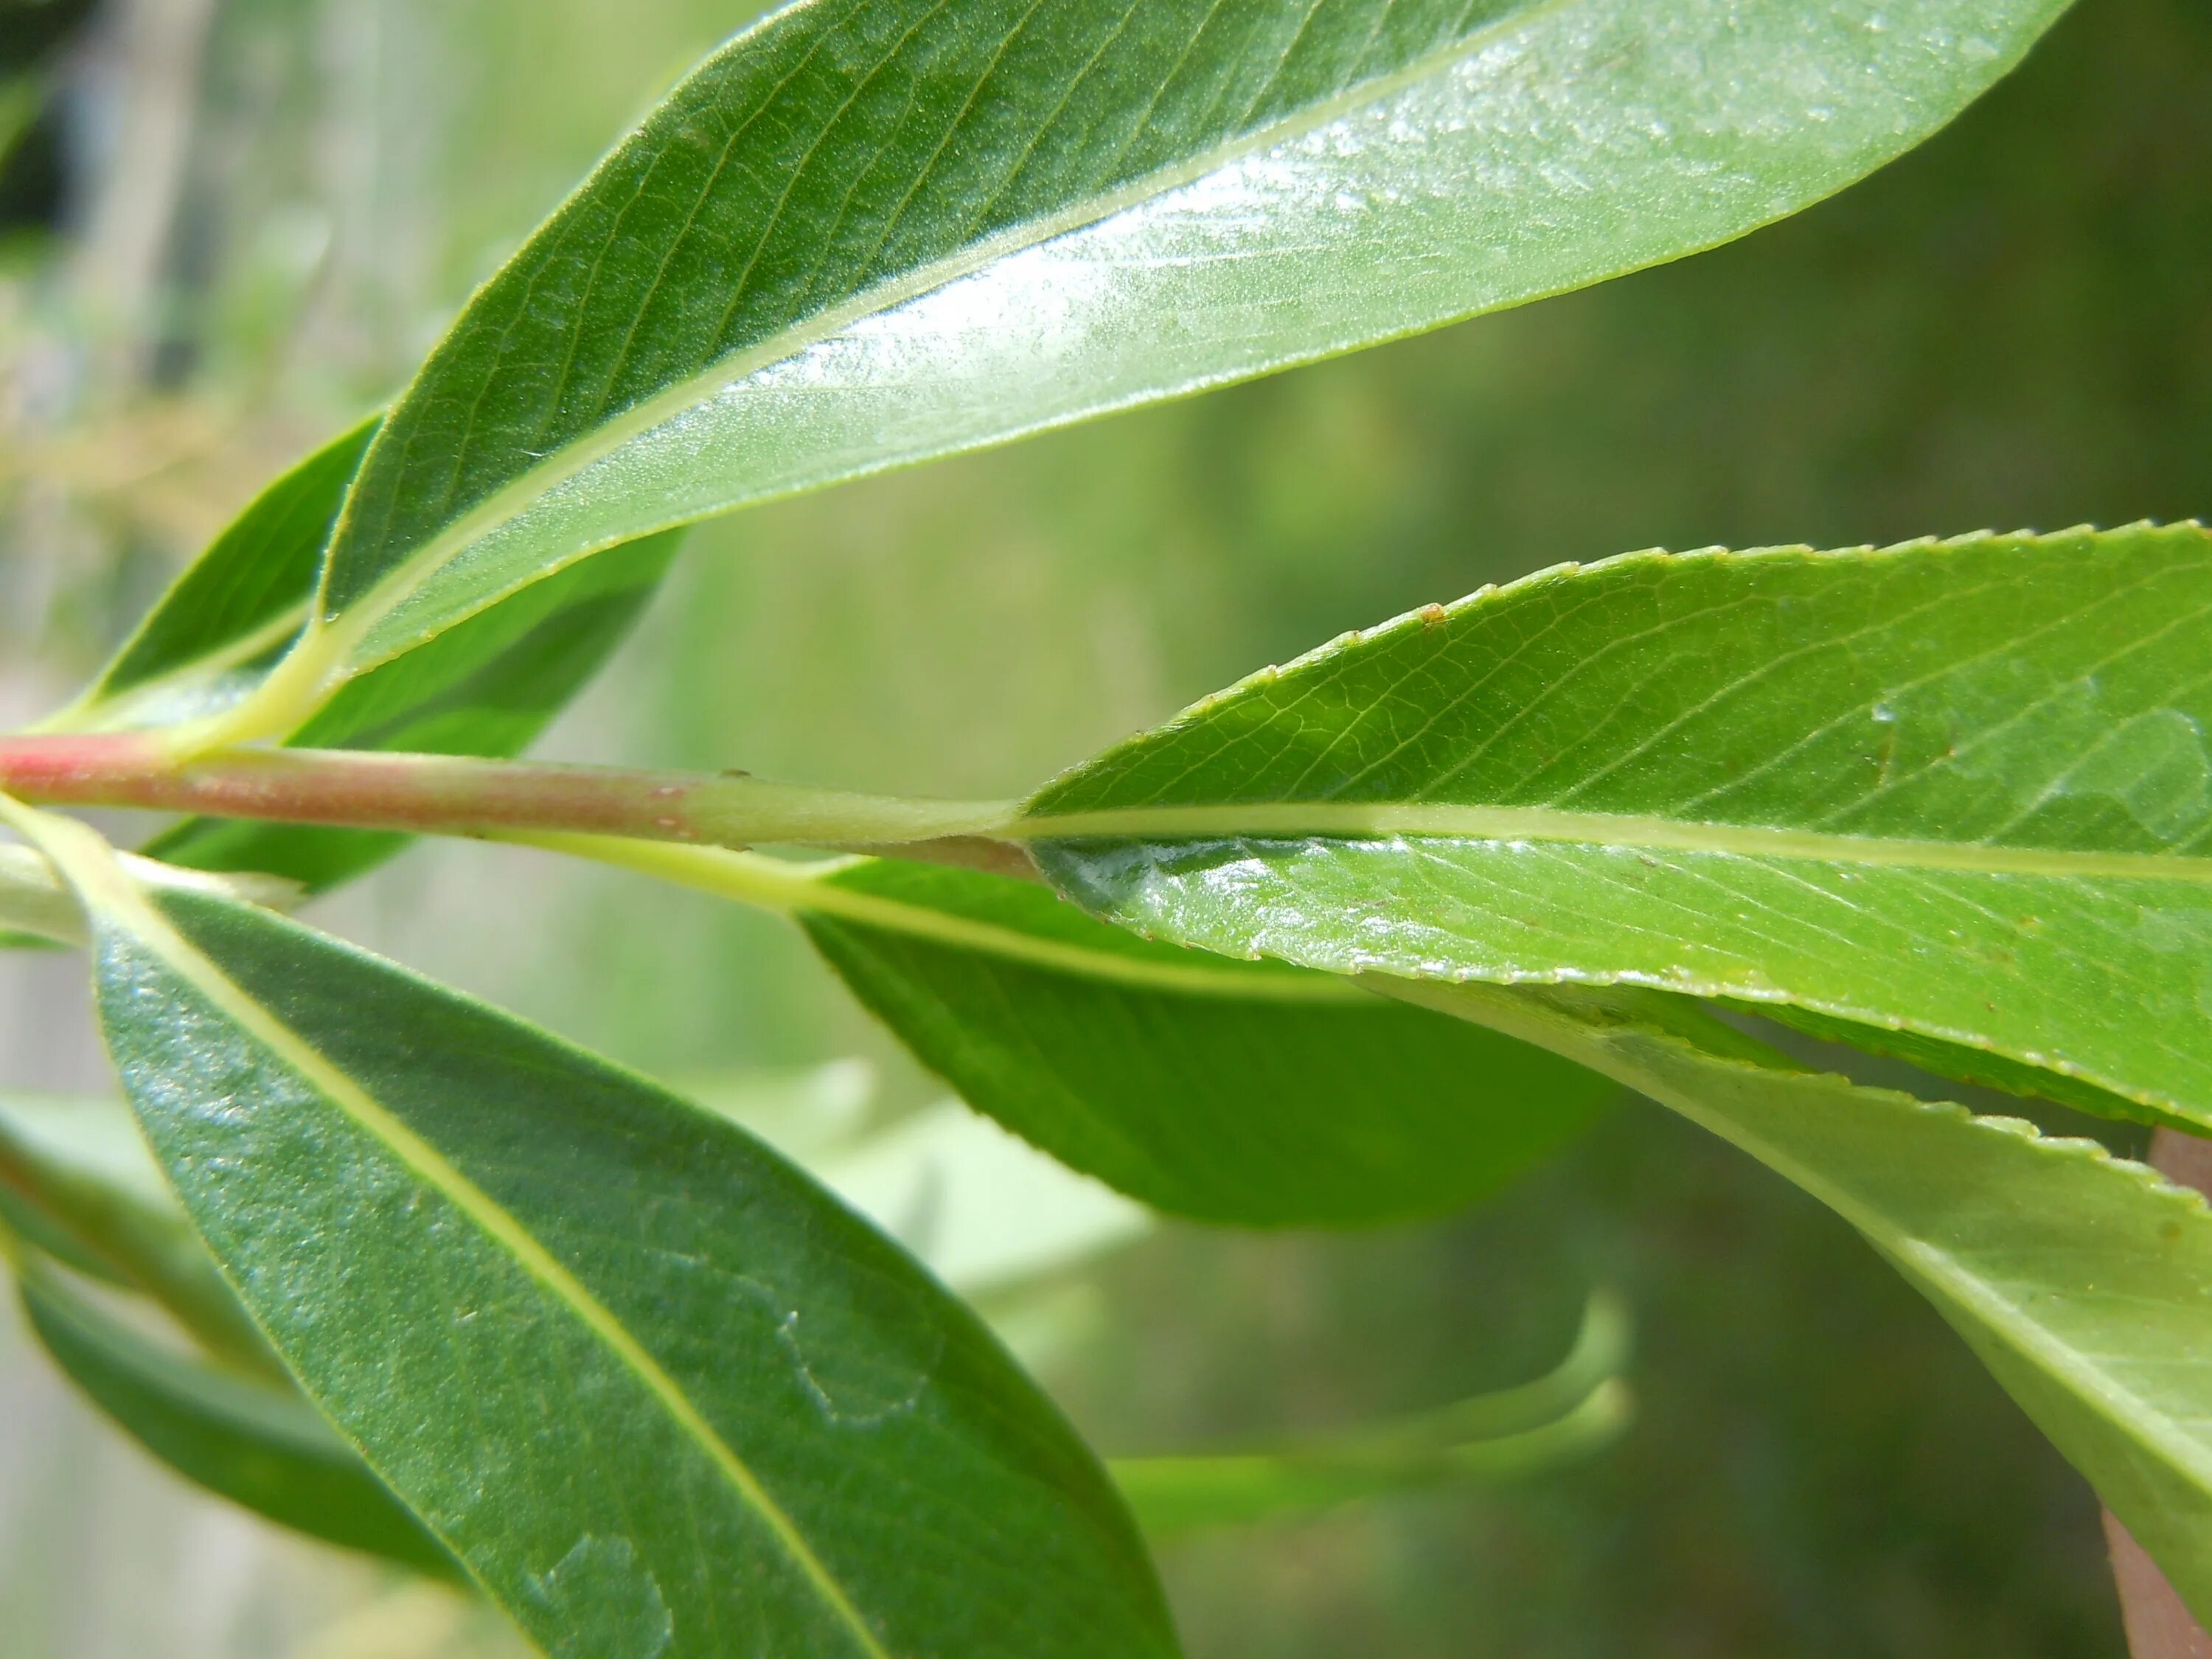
(1626, 832)
(109, 893)
(388, 593)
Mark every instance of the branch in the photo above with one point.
(455, 795)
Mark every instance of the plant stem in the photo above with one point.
(457, 795)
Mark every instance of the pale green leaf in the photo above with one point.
(659, 1393)
(1956, 789)
(36, 902)
(870, 231)
(1566, 1415)
(2083, 1282)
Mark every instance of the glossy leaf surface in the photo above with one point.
(2083, 1282)
(1960, 789)
(255, 1443)
(863, 233)
(1229, 1090)
(658, 1392)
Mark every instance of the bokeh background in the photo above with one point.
(227, 227)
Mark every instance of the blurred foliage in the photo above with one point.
(2011, 328)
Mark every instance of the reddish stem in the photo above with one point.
(450, 794)
(425, 793)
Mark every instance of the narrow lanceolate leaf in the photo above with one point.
(77, 1181)
(1568, 1414)
(869, 231)
(659, 1394)
(2084, 1282)
(256, 1443)
(1230, 1090)
(1958, 789)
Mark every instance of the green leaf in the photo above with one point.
(1958, 789)
(658, 1392)
(2083, 1282)
(260, 1446)
(487, 688)
(1575, 1410)
(863, 234)
(1229, 1090)
(77, 1181)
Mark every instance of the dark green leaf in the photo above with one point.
(1958, 789)
(254, 1443)
(2084, 1282)
(870, 231)
(656, 1390)
(1230, 1090)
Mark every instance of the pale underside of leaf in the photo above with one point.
(2084, 1282)
(1574, 1410)
(1957, 789)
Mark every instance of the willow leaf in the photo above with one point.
(2084, 1282)
(676, 1361)
(1227, 1091)
(1959, 789)
(259, 1445)
(870, 231)
(1959, 1063)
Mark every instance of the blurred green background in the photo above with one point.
(232, 224)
